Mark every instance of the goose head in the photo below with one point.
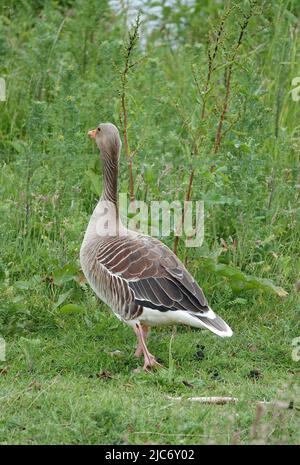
(107, 138)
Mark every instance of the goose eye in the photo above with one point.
(98, 129)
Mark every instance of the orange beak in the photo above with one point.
(92, 133)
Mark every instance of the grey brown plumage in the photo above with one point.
(138, 276)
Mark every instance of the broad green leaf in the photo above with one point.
(70, 309)
(27, 285)
(19, 145)
(241, 281)
(148, 174)
(67, 273)
(94, 179)
(62, 298)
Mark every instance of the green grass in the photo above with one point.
(67, 387)
(61, 381)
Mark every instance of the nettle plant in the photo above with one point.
(214, 94)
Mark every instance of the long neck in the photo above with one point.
(105, 220)
(110, 171)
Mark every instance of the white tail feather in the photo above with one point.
(153, 317)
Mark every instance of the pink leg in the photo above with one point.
(149, 359)
(139, 349)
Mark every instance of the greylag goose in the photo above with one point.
(139, 277)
